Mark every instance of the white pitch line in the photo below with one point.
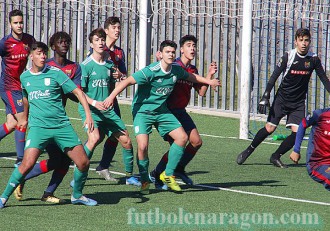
(224, 189)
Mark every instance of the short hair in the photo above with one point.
(99, 32)
(301, 32)
(39, 45)
(167, 43)
(14, 13)
(58, 36)
(186, 38)
(111, 21)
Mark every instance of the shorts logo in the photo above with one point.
(136, 129)
(19, 102)
(47, 81)
(27, 143)
(307, 64)
(328, 170)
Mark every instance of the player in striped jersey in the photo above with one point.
(177, 102)
(14, 51)
(42, 89)
(155, 83)
(318, 150)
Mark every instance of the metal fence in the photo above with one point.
(216, 24)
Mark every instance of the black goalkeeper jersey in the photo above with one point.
(297, 71)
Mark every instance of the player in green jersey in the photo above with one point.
(97, 83)
(42, 87)
(155, 83)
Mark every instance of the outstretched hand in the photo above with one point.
(264, 103)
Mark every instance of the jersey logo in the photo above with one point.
(328, 170)
(307, 64)
(19, 102)
(159, 80)
(47, 81)
(174, 79)
(13, 45)
(68, 72)
(93, 73)
(136, 129)
(295, 62)
(117, 58)
(28, 84)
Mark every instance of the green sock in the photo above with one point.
(15, 179)
(143, 169)
(128, 157)
(79, 182)
(174, 157)
(89, 153)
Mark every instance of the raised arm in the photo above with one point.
(212, 70)
(199, 79)
(322, 75)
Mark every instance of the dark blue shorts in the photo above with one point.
(13, 101)
(185, 120)
(320, 174)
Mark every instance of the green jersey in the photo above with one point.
(44, 93)
(154, 87)
(96, 79)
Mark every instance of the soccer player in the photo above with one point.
(177, 102)
(155, 83)
(97, 83)
(59, 162)
(112, 28)
(297, 66)
(14, 51)
(318, 150)
(42, 86)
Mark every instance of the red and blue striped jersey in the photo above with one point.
(181, 93)
(318, 152)
(14, 54)
(117, 56)
(71, 69)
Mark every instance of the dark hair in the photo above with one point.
(186, 38)
(99, 32)
(14, 13)
(302, 32)
(39, 45)
(111, 21)
(58, 36)
(167, 43)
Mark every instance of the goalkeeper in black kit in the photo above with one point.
(297, 66)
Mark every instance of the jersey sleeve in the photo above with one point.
(122, 64)
(321, 73)
(77, 77)
(279, 69)
(2, 47)
(65, 82)
(304, 124)
(182, 73)
(84, 76)
(142, 76)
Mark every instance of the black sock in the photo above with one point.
(259, 137)
(285, 146)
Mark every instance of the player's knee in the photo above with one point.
(196, 143)
(182, 139)
(84, 165)
(94, 140)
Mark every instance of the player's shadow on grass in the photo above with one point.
(8, 154)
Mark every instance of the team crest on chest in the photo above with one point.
(68, 72)
(117, 57)
(26, 47)
(307, 64)
(174, 78)
(47, 81)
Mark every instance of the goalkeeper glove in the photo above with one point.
(264, 103)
